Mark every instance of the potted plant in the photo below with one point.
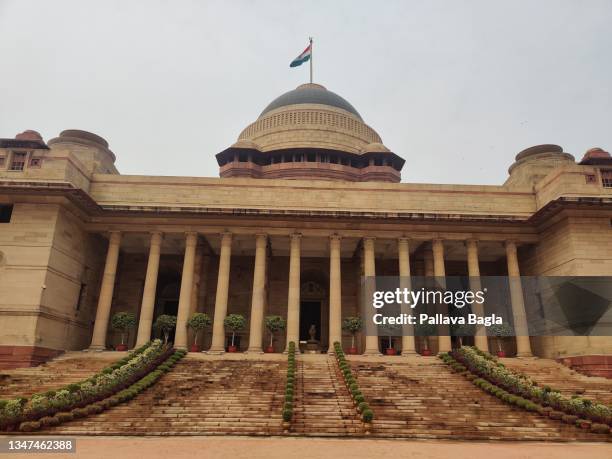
(352, 325)
(165, 324)
(425, 330)
(234, 322)
(123, 322)
(500, 331)
(390, 329)
(274, 324)
(198, 322)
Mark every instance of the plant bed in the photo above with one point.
(102, 385)
(161, 365)
(519, 390)
(362, 407)
(287, 412)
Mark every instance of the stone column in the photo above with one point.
(480, 339)
(335, 293)
(98, 339)
(369, 271)
(293, 299)
(403, 249)
(444, 342)
(521, 330)
(218, 337)
(184, 306)
(257, 299)
(197, 280)
(150, 287)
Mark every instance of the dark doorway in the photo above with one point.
(310, 313)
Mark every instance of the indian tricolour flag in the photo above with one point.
(304, 57)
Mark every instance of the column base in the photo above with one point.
(408, 353)
(216, 350)
(375, 353)
(524, 355)
(95, 349)
(254, 351)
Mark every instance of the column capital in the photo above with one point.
(191, 238)
(471, 242)
(294, 236)
(510, 244)
(369, 238)
(226, 238)
(261, 240)
(335, 237)
(404, 239)
(114, 236)
(157, 234)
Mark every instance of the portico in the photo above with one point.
(282, 271)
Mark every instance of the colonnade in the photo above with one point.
(434, 265)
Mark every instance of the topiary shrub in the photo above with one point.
(64, 416)
(165, 324)
(123, 322)
(367, 415)
(198, 322)
(600, 428)
(29, 426)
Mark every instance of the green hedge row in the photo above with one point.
(290, 384)
(120, 397)
(513, 397)
(367, 415)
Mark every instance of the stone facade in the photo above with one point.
(79, 241)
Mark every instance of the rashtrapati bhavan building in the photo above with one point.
(309, 200)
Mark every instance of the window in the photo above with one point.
(5, 213)
(606, 178)
(1, 162)
(18, 161)
(35, 162)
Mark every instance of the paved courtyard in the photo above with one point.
(313, 448)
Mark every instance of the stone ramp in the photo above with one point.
(66, 369)
(569, 382)
(322, 404)
(421, 398)
(198, 397)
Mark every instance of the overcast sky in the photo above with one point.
(457, 88)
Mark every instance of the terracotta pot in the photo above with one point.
(426, 352)
(390, 351)
(352, 350)
(232, 349)
(121, 347)
(501, 354)
(269, 350)
(194, 348)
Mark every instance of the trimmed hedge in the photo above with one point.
(94, 408)
(516, 389)
(367, 415)
(86, 397)
(287, 412)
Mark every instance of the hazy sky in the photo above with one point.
(457, 88)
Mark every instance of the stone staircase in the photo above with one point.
(566, 380)
(65, 369)
(419, 397)
(198, 397)
(322, 404)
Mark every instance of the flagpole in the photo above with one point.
(310, 38)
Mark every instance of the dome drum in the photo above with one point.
(310, 163)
